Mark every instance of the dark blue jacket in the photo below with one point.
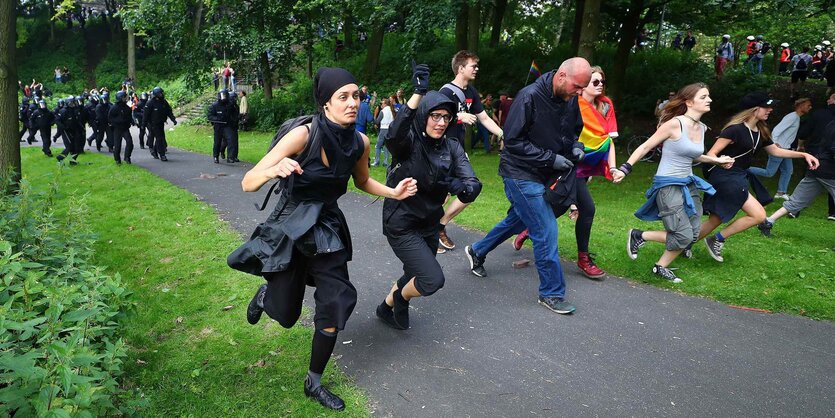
(539, 126)
(364, 117)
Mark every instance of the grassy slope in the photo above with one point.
(189, 356)
(792, 272)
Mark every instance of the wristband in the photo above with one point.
(626, 168)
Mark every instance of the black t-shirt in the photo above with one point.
(470, 104)
(743, 140)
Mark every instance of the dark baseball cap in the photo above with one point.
(756, 99)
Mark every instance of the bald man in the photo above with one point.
(541, 143)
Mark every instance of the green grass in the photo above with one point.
(793, 272)
(189, 356)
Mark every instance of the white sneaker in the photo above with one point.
(783, 196)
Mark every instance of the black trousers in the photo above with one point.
(94, 134)
(73, 141)
(104, 133)
(158, 145)
(222, 133)
(233, 144)
(335, 296)
(585, 206)
(118, 135)
(22, 131)
(46, 138)
(417, 250)
(141, 136)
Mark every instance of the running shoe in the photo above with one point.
(256, 306)
(714, 247)
(831, 217)
(557, 304)
(586, 264)
(445, 241)
(665, 273)
(476, 262)
(634, 242)
(781, 195)
(765, 228)
(323, 396)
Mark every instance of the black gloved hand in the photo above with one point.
(561, 163)
(577, 154)
(456, 186)
(420, 78)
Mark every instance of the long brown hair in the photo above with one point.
(746, 114)
(677, 105)
(598, 104)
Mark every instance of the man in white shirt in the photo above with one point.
(783, 136)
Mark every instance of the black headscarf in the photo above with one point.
(340, 143)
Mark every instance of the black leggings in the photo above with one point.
(417, 250)
(585, 205)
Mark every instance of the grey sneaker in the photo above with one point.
(665, 273)
(557, 304)
(765, 228)
(476, 262)
(634, 242)
(687, 253)
(714, 247)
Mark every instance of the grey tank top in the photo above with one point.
(677, 155)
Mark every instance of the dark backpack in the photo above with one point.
(314, 143)
(801, 65)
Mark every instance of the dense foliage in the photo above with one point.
(61, 354)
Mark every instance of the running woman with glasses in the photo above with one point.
(421, 149)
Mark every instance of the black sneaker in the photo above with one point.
(401, 309)
(256, 306)
(634, 242)
(714, 248)
(386, 314)
(216, 160)
(665, 273)
(557, 304)
(476, 262)
(163, 157)
(323, 396)
(765, 228)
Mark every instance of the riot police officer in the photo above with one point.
(221, 114)
(138, 111)
(31, 127)
(41, 121)
(236, 123)
(70, 121)
(23, 116)
(157, 111)
(90, 115)
(102, 110)
(120, 119)
(59, 132)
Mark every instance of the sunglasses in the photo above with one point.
(438, 116)
(598, 83)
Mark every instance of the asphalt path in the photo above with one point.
(484, 347)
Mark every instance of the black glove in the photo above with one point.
(561, 163)
(577, 154)
(420, 78)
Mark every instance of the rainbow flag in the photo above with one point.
(535, 70)
(596, 141)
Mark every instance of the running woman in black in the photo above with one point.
(305, 241)
(421, 150)
(741, 138)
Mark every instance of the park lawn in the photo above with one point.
(192, 352)
(792, 272)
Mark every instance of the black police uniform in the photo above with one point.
(157, 110)
(59, 132)
(102, 110)
(221, 114)
(120, 119)
(70, 121)
(31, 127)
(42, 120)
(90, 113)
(138, 113)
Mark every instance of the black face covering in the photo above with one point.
(339, 143)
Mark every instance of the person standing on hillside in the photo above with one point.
(689, 41)
(157, 111)
(470, 110)
(120, 119)
(724, 54)
(785, 58)
(220, 115)
(800, 70)
(244, 110)
(542, 143)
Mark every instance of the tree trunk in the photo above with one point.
(461, 27)
(9, 146)
(267, 75)
(348, 28)
(474, 26)
(629, 31)
(51, 22)
(309, 49)
(131, 55)
(375, 46)
(589, 29)
(579, 7)
(498, 16)
(561, 25)
(198, 19)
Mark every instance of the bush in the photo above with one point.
(294, 99)
(60, 351)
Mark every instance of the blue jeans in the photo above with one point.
(529, 210)
(774, 163)
(381, 142)
(756, 64)
(483, 134)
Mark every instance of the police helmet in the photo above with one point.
(785, 44)
(105, 96)
(223, 94)
(60, 102)
(70, 100)
(759, 37)
(25, 100)
(143, 96)
(121, 96)
(42, 104)
(157, 92)
(750, 37)
(79, 99)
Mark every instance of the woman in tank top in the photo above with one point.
(305, 241)
(674, 196)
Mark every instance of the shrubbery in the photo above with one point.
(60, 351)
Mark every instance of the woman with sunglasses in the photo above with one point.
(421, 150)
(600, 128)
